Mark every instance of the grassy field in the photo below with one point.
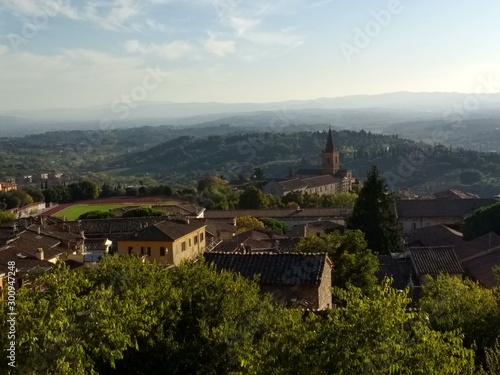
(73, 212)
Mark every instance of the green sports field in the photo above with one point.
(73, 212)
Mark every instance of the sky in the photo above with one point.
(76, 54)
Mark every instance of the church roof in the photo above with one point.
(329, 142)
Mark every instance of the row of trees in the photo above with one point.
(19, 198)
(82, 190)
(126, 317)
(215, 193)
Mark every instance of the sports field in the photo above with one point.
(74, 211)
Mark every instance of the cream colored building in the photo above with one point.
(167, 242)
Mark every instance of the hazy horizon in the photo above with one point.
(62, 54)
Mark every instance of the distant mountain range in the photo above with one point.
(373, 112)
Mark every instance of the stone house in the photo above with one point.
(416, 214)
(291, 278)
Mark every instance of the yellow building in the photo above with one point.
(168, 242)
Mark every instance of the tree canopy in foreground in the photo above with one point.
(126, 317)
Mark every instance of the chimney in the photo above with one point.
(38, 230)
(39, 254)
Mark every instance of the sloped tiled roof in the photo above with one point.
(119, 225)
(481, 267)
(454, 194)
(274, 269)
(399, 269)
(279, 213)
(293, 184)
(309, 172)
(310, 182)
(433, 260)
(440, 208)
(164, 231)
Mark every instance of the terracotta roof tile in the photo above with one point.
(274, 269)
(433, 260)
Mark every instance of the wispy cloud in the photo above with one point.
(218, 47)
(108, 15)
(169, 51)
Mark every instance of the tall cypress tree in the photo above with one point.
(374, 214)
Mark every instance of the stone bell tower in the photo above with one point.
(330, 158)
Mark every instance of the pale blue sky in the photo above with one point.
(83, 53)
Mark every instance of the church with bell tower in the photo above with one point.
(330, 158)
(329, 179)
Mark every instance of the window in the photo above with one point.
(183, 246)
(149, 251)
(195, 239)
(201, 236)
(130, 250)
(413, 226)
(142, 250)
(162, 251)
(190, 242)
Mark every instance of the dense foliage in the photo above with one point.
(353, 263)
(143, 212)
(275, 225)
(482, 221)
(453, 304)
(244, 223)
(76, 191)
(127, 317)
(150, 154)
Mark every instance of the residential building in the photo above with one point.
(411, 268)
(294, 279)
(416, 214)
(478, 257)
(8, 185)
(31, 252)
(290, 216)
(454, 194)
(319, 229)
(167, 242)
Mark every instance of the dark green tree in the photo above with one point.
(374, 214)
(453, 304)
(275, 225)
(353, 263)
(106, 191)
(482, 221)
(252, 198)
